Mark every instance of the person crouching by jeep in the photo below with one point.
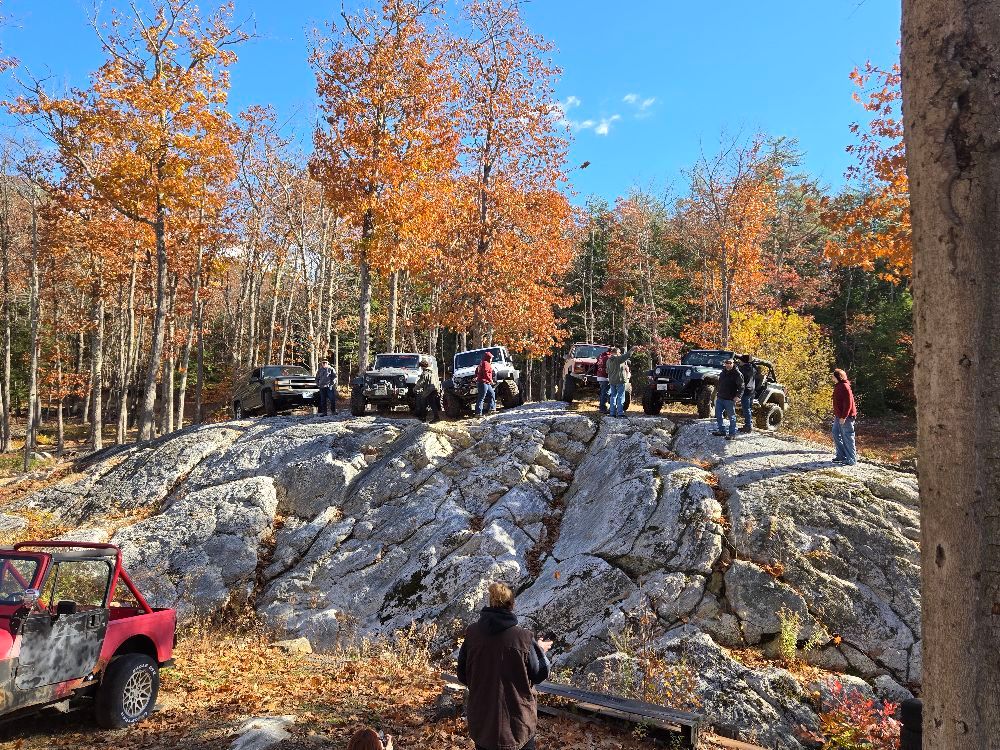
(500, 663)
(746, 399)
(326, 381)
(427, 393)
(486, 380)
(729, 389)
(845, 413)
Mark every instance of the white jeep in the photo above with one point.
(461, 391)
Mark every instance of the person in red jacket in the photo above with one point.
(845, 412)
(485, 380)
(601, 371)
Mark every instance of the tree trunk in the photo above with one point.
(146, 415)
(951, 66)
(198, 388)
(188, 343)
(364, 293)
(393, 308)
(35, 342)
(8, 317)
(97, 363)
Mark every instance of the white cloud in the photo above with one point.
(647, 103)
(572, 101)
(604, 126)
(630, 98)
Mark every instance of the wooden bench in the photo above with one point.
(687, 725)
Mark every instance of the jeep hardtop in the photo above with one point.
(461, 391)
(74, 629)
(390, 383)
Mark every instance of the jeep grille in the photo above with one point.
(671, 372)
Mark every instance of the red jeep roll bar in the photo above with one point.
(119, 571)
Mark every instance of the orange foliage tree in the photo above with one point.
(511, 228)
(874, 226)
(388, 145)
(151, 136)
(726, 220)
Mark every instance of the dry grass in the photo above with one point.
(221, 680)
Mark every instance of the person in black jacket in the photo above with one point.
(500, 662)
(749, 385)
(730, 388)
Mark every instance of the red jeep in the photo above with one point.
(74, 626)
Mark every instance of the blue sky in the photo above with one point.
(647, 84)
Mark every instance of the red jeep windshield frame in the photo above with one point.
(119, 571)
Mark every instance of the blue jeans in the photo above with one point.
(327, 396)
(486, 391)
(843, 441)
(617, 394)
(602, 399)
(727, 407)
(746, 404)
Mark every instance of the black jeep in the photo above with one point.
(695, 380)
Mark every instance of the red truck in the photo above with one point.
(74, 628)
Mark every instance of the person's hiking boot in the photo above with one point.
(730, 437)
(838, 460)
(719, 434)
(746, 429)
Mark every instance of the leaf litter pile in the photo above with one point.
(221, 681)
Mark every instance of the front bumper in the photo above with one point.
(296, 397)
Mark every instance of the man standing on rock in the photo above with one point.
(486, 380)
(845, 412)
(730, 388)
(749, 384)
(616, 381)
(500, 663)
(326, 381)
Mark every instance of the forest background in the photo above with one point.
(155, 245)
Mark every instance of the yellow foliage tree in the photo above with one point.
(800, 352)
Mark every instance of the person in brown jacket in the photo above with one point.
(500, 663)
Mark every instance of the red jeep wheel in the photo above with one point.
(128, 691)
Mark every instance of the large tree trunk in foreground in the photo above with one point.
(147, 425)
(951, 99)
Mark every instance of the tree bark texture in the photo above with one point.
(951, 101)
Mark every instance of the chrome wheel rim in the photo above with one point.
(137, 693)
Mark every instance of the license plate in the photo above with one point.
(308, 394)
(662, 387)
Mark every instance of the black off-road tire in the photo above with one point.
(269, 407)
(358, 404)
(128, 691)
(452, 406)
(769, 417)
(651, 402)
(507, 395)
(237, 410)
(569, 389)
(706, 400)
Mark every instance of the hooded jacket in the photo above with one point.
(615, 376)
(601, 368)
(843, 400)
(500, 662)
(484, 373)
(730, 384)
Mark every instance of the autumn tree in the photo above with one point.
(151, 133)
(872, 226)
(951, 109)
(726, 219)
(387, 145)
(511, 229)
